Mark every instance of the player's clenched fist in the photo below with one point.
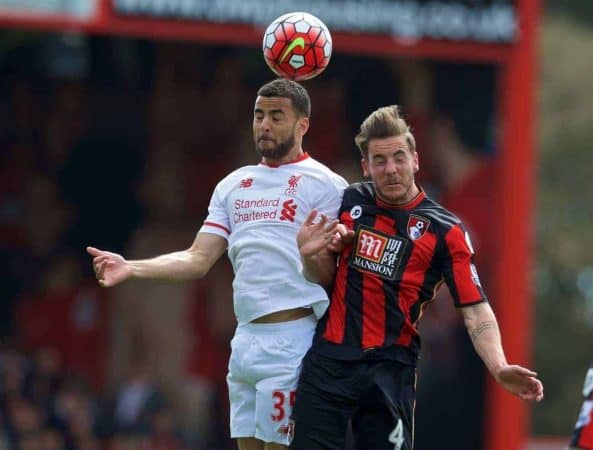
(110, 268)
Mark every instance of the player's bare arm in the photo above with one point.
(482, 326)
(313, 240)
(112, 269)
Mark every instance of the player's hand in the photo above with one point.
(110, 268)
(341, 239)
(521, 382)
(313, 237)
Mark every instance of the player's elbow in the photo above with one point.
(198, 265)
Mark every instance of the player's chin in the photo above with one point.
(393, 193)
(266, 145)
(267, 151)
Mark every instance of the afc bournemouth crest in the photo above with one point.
(417, 226)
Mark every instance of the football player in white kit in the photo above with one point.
(255, 213)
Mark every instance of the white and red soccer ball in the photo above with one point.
(297, 46)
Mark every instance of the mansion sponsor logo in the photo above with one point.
(377, 252)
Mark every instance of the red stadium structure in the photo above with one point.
(507, 418)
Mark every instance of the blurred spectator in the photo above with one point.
(52, 439)
(24, 419)
(134, 403)
(326, 140)
(163, 435)
(21, 146)
(67, 316)
(31, 440)
(45, 376)
(99, 175)
(67, 122)
(13, 371)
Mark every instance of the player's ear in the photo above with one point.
(365, 167)
(416, 161)
(303, 125)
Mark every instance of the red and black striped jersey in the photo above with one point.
(582, 437)
(398, 259)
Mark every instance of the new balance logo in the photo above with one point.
(288, 210)
(246, 183)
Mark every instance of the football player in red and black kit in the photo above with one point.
(582, 437)
(400, 246)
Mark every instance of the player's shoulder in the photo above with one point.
(234, 178)
(437, 213)
(360, 191)
(319, 171)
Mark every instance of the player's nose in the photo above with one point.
(390, 166)
(265, 124)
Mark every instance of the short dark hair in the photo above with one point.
(383, 123)
(281, 87)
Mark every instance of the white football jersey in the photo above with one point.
(259, 210)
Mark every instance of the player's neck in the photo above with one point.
(294, 155)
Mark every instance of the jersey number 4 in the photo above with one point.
(397, 435)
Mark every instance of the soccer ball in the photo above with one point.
(297, 46)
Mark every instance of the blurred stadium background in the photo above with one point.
(119, 116)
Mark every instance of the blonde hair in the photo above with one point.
(382, 123)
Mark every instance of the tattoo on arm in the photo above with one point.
(476, 332)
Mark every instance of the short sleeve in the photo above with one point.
(330, 196)
(217, 221)
(459, 269)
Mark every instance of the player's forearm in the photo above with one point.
(320, 268)
(482, 327)
(177, 266)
